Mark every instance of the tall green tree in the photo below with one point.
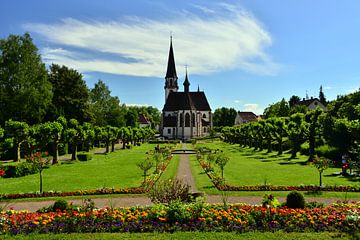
(312, 118)
(224, 117)
(322, 98)
(25, 93)
(296, 131)
(70, 94)
(106, 109)
(17, 132)
(51, 133)
(279, 109)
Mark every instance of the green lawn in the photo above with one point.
(116, 170)
(188, 235)
(249, 167)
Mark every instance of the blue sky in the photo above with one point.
(243, 54)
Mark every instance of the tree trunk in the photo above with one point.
(280, 147)
(73, 153)
(17, 152)
(113, 146)
(41, 187)
(269, 146)
(124, 144)
(320, 179)
(107, 147)
(55, 154)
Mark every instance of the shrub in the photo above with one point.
(128, 146)
(329, 152)
(60, 205)
(19, 170)
(314, 204)
(169, 190)
(84, 156)
(295, 200)
(304, 148)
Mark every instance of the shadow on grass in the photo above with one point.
(208, 187)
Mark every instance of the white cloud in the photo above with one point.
(233, 39)
(237, 101)
(253, 107)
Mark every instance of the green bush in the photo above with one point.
(329, 152)
(84, 156)
(304, 148)
(19, 170)
(60, 205)
(62, 149)
(314, 204)
(169, 190)
(295, 200)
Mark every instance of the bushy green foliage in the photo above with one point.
(169, 190)
(84, 156)
(295, 200)
(19, 170)
(330, 152)
(60, 205)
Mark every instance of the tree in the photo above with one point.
(279, 109)
(131, 117)
(73, 136)
(51, 132)
(293, 101)
(106, 109)
(322, 98)
(280, 132)
(312, 118)
(25, 93)
(70, 94)
(321, 164)
(145, 166)
(296, 131)
(224, 117)
(17, 132)
(39, 161)
(221, 161)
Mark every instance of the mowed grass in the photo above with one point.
(188, 235)
(116, 170)
(249, 167)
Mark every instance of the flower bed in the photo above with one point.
(76, 193)
(191, 217)
(218, 183)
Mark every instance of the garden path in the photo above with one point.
(184, 172)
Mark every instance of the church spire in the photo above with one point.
(186, 82)
(171, 78)
(171, 69)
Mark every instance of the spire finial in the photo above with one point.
(198, 88)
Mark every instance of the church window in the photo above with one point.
(193, 119)
(169, 130)
(181, 120)
(204, 129)
(204, 115)
(187, 120)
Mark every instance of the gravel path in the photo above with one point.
(184, 173)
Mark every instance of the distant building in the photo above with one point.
(185, 114)
(312, 103)
(245, 117)
(143, 121)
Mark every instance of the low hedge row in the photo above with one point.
(19, 170)
(101, 191)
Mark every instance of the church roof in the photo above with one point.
(171, 69)
(186, 101)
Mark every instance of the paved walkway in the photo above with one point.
(184, 173)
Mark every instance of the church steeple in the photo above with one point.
(171, 78)
(186, 83)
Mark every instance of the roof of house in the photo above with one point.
(307, 102)
(186, 101)
(143, 119)
(247, 116)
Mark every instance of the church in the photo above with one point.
(185, 114)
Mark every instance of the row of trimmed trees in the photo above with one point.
(316, 128)
(20, 137)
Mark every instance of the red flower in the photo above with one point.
(2, 172)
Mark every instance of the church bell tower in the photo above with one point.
(171, 78)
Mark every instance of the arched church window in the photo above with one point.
(187, 120)
(204, 115)
(193, 119)
(181, 120)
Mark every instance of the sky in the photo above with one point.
(244, 54)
